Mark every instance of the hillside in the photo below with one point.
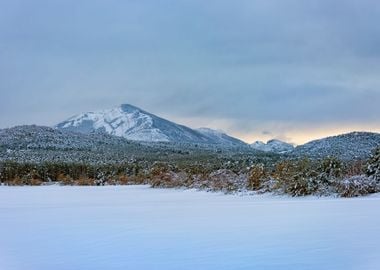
(354, 145)
(45, 144)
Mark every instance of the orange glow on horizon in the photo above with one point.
(296, 133)
(304, 135)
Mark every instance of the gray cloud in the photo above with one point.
(249, 62)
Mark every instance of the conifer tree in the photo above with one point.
(373, 168)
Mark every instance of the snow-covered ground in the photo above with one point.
(135, 227)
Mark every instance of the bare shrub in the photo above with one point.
(138, 179)
(123, 179)
(65, 179)
(16, 181)
(225, 180)
(25, 180)
(85, 181)
(354, 168)
(168, 179)
(269, 185)
(35, 182)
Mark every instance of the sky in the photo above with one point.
(288, 69)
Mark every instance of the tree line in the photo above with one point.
(296, 177)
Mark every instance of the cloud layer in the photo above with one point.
(257, 69)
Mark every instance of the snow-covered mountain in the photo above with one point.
(133, 123)
(274, 145)
(354, 145)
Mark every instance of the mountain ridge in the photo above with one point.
(132, 123)
(24, 141)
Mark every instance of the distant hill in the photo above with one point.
(354, 145)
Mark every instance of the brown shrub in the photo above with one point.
(65, 179)
(138, 179)
(16, 181)
(168, 179)
(85, 181)
(355, 168)
(256, 176)
(123, 179)
(35, 182)
(224, 180)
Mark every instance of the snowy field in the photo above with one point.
(135, 227)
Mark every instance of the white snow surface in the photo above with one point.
(136, 227)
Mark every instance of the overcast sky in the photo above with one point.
(289, 69)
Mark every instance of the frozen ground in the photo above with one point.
(135, 227)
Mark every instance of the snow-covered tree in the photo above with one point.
(373, 169)
(357, 185)
(330, 169)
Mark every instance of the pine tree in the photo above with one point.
(331, 169)
(373, 168)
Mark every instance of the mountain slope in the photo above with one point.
(354, 145)
(274, 145)
(136, 124)
(219, 137)
(46, 138)
(35, 144)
